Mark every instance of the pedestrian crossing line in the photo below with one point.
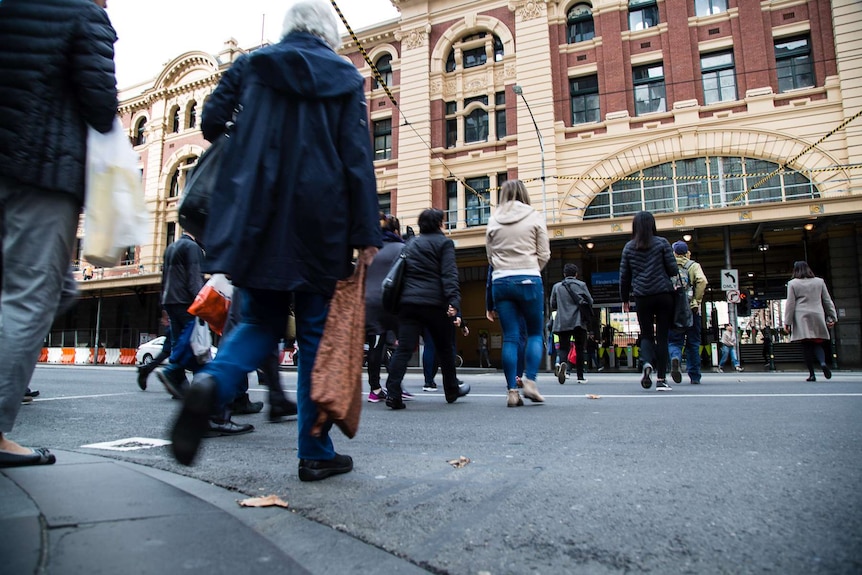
(94, 396)
(653, 394)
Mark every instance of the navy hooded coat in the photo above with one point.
(297, 190)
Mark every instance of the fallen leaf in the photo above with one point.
(458, 463)
(591, 396)
(268, 501)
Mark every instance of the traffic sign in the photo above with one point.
(733, 296)
(729, 280)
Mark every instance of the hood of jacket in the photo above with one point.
(304, 66)
(512, 212)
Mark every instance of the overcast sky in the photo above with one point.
(154, 32)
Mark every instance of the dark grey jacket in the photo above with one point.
(378, 320)
(647, 272)
(431, 276)
(568, 315)
(56, 76)
(181, 277)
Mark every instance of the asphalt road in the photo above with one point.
(750, 473)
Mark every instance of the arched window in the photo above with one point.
(700, 184)
(175, 120)
(193, 114)
(384, 67)
(475, 49)
(174, 187)
(140, 132)
(580, 23)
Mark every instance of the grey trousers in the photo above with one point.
(38, 231)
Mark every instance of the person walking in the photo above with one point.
(646, 266)
(688, 338)
(55, 80)
(516, 242)
(484, 358)
(430, 299)
(571, 299)
(592, 352)
(809, 314)
(378, 321)
(145, 370)
(283, 222)
(728, 349)
(182, 279)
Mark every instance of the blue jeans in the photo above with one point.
(520, 300)
(264, 317)
(731, 351)
(688, 339)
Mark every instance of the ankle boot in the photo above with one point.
(531, 392)
(514, 399)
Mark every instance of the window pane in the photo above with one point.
(727, 181)
(500, 117)
(798, 186)
(451, 133)
(707, 7)
(600, 206)
(451, 204)
(626, 196)
(658, 194)
(474, 57)
(643, 18)
(478, 206)
(476, 126)
(793, 64)
(383, 139)
(767, 191)
(692, 187)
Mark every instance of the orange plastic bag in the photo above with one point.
(213, 302)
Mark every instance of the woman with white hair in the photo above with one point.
(296, 195)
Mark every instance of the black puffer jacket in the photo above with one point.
(647, 272)
(56, 76)
(431, 276)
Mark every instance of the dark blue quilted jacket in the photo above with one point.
(56, 76)
(646, 272)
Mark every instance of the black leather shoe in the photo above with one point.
(394, 399)
(315, 470)
(245, 406)
(193, 421)
(223, 427)
(142, 379)
(281, 409)
(31, 393)
(826, 371)
(463, 389)
(176, 387)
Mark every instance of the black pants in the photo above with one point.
(411, 321)
(810, 350)
(580, 336)
(655, 313)
(376, 352)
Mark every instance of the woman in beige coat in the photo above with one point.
(809, 313)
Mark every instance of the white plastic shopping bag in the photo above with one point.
(114, 213)
(201, 341)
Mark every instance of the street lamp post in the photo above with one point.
(520, 92)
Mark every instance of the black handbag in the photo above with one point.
(194, 205)
(393, 283)
(682, 304)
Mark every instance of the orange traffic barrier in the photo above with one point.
(68, 355)
(101, 356)
(43, 355)
(127, 355)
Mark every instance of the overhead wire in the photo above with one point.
(482, 199)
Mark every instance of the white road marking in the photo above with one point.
(129, 444)
(40, 399)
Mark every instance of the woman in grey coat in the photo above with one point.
(809, 314)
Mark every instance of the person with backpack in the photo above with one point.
(694, 281)
(572, 301)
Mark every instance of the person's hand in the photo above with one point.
(491, 315)
(452, 312)
(366, 254)
(830, 323)
(465, 330)
(457, 321)
(626, 306)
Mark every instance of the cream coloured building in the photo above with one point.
(735, 121)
